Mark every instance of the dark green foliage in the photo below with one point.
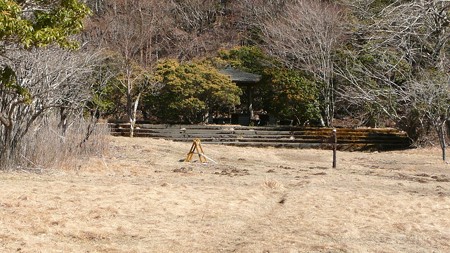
(292, 95)
(283, 93)
(251, 59)
(189, 91)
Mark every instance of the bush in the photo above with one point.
(46, 147)
(189, 91)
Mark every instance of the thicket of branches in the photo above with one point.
(42, 77)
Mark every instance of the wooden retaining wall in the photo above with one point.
(277, 136)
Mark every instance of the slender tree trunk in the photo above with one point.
(6, 152)
(63, 120)
(133, 119)
(441, 134)
(130, 114)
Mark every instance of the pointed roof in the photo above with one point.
(239, 76)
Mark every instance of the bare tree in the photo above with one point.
(373, 84)
(304, 34)
(417, 28)
(417, 104)
(401, 64)
(132, 29)
(430, 99)
(201, 27)
(42, 80)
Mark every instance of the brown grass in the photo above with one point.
(46, 147)
(141, 198)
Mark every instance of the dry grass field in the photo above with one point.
(140, 198)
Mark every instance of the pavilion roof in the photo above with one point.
(239, 76)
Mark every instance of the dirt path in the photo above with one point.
(141, 198)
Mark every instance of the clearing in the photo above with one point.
(140, 198)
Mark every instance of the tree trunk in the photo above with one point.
(441, 135)
(133, 117)
(6, 152)
(62, 125)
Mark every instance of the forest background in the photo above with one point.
(362, 62)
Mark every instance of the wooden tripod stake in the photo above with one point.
(196, 148)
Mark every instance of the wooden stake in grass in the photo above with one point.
(334, 147)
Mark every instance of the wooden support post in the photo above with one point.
(334, 147)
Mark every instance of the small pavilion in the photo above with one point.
(247, 82)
